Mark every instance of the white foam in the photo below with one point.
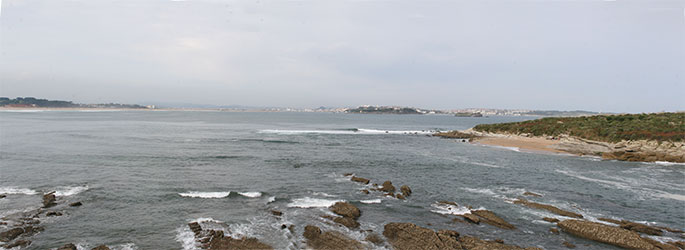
(480, 191)
(443, 208)
(308, 202)
(69, 191)
(374, 201)
(14, 190)
(671, 196)
(507, 148)
(127, 246)
(360, 131)
(206, 195)
(668, 163)
(251, 194)
(271, 199)
(186, 238)
(323, 194)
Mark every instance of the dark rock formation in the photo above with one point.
(374, 238)
(532, 194)
(550, 208)
(568, 244)
(408, 236)
(551, 220)
(365, 191)
(492, 219)
(276, 212)
(387, 187)
(328, 240)
(346, 221)
(641, 228)
(2, 196)
(76, 204)
(11, 234)
(471, 218)
(473, 243)
(406, 191)
(400, 196)
(68, 247)
(606, 234)
(18, 243)
(49, 199)
(360, 180)
(53, 213)
(554, 230)
(211, 239)
(101, 247)
(346, 210)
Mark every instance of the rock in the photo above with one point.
(548, 208)
(284, 226)
(68, 247)
(348, 174)
(390, 195)
(31, 230)
(471, 218)
(660, 245)
(641, 228)
(360, 180)
(551, 220)
(410, 236)
(53, 213)
(448, 203)
(606, 234)
(532, 194)
(101, 247)
(387, 187)
(195, 228)
(291, 228)
(680, 244)
(11, 234)
(328, 240)
(501, 241)
(2, 196)
(346, 221)
(276, 212)
(473, 243)
(19, 243)
(400, 196)
(406, 191)
(492, 219)
(374, 238)
(365, 191)
(49, 199)
(346, 210)
(617, 222)
(219, 242)
(554, 230)
(568, 244)
(76, 204)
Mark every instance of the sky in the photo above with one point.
(597, 55)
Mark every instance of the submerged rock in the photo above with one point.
(492, 219)
(328, 240)
(101, 247)
(211, 239)
(374, 238)
(11, 234)
(76, 204)
(360, 180)
(49, 199)
(532, 194)
(471, 218)
(606, 234)
(641, 228)
(408, 236)
(406, 191)
(346, 210)
(551, 220)
(2, 196)
(19, 243)
(550, 208)
(365, 191)
(276, 212)
(387, 187)
(69, 246)
(54, 213)
(568, 244)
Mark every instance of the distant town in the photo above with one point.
(32, 102)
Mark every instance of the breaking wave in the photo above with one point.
(308, 202)
(14, 190)
(206, 195)
(69, 191)
(251, 194)
(374, 201)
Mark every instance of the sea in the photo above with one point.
(142, 176)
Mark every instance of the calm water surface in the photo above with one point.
(142, 176)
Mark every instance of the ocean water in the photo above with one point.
(143, 175)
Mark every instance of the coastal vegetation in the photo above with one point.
(32, 102)
(607, 128)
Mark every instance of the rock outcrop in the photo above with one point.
(101, 247)
(387, 187)
(69, 246)
(408, 236)
(637, 227)
(212, 239)
(473, 243)
(550, 208)
(360, 180)
(532, 194)
(406, 191)
(346, 210)
(491, 218)
(49, 200)
(328, 240)
(606, 234)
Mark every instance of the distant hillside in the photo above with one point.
(607, 128)
(384, 110)
(30, 102)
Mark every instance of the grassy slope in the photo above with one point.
(608, 128)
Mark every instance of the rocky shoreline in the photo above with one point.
(208, 234)
(638, 150)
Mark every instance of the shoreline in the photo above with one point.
(635, 151)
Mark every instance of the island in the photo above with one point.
(627, 137)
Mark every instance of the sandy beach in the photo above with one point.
(536, 144)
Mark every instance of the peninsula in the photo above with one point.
(627, 137)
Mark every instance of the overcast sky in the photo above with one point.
(620, 56)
